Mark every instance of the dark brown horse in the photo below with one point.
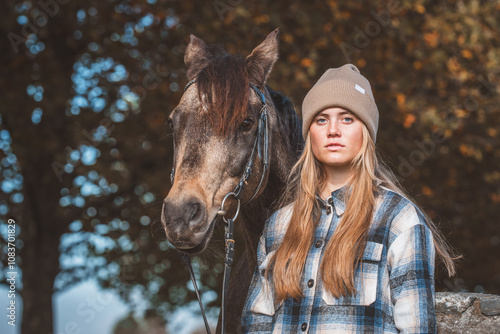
(215, 126)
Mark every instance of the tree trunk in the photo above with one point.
(41, 230)
(40, 267)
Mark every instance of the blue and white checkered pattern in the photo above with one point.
(395, 282)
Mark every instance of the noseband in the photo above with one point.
(261, 146)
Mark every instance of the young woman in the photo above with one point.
(348, 252)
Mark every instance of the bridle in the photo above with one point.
(260, 147)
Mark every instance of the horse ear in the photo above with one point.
(260, 62)
(196, 56)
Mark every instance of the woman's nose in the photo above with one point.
(333, 129)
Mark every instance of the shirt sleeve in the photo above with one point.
(411, 260)
(258, 311)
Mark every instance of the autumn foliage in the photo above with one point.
(87, 86)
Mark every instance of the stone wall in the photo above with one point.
(467, 313)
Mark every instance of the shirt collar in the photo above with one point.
(336, 199)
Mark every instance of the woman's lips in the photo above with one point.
(334, 147)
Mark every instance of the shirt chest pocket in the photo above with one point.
(264, 300)
(365, 280)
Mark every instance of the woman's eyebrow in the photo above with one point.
(348, 113)
(323, 114)
(342, 113)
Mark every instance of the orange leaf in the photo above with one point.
(288, 38)
(495, 197)
(417, 64)
(453, 64)
(262, 18)
(461, 113)
(306, 62)
(466, 151)
(431, 39)
(345, 15)
(427, 191)
(293, 58)
(409, 120)
(466, 54)
(361, 62)
(328, 27)
(401, 98)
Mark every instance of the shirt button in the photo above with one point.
(330, 201)
(328, 210)
(304, 326)
(310, 283)
(318, 243)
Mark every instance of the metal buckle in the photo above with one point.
(223, 212)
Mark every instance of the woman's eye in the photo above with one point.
(247, 124)
(321, 120)
(348, 119)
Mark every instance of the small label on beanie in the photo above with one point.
(359, 89)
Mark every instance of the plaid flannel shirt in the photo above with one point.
(395, 283)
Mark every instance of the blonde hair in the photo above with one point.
(344, 250)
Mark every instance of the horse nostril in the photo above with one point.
(194, 210)
(196, 214)
(187, 214)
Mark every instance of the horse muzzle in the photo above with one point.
(186, 223)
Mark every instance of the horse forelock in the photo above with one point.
(223, 87)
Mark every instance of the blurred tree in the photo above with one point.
(86, 88)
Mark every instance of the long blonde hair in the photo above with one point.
(345, 249)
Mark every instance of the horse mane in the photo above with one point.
(290, 124)
(223, 87)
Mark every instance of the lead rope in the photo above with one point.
(228, 262)
(187, 262)
(227, 268)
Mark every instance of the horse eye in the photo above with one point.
(247, 124)
(170, 123)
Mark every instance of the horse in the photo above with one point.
(214, 129)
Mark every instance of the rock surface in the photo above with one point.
(467, 313)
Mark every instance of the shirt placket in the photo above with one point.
(311, 272)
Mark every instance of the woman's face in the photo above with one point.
(336, 136)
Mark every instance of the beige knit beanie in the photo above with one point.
(341, 87)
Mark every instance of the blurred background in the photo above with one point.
(85, 153)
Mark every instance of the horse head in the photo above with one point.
(215, 126)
